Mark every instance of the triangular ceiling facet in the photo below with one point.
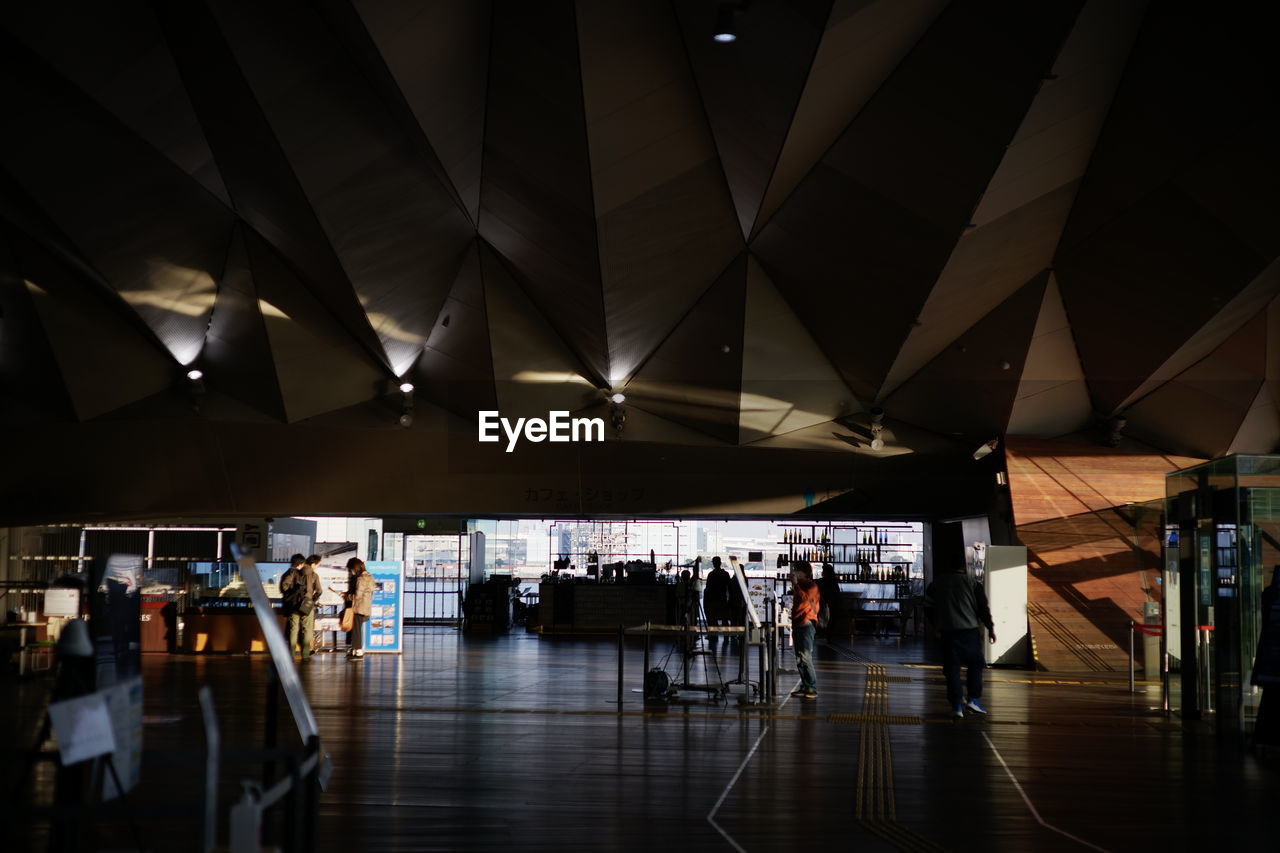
(456, 367)
(307, 342)
(534, 371)
(439, 56)
(970, 387)
(787, 383)
(237, 355)
(695, 376)
(536, 204)
(1052, 396)
(862, 44)
(1226, 383)
(666, 226)
(750, 88)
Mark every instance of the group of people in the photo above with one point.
(300, 592)
(960, 611)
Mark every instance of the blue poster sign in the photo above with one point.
(383, 632)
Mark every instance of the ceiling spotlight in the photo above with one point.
(195, 374)
(724, 27)
(618, 397)
(406, 387)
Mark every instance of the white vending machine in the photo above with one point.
(1005, 582)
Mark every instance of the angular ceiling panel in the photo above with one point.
(861, 46)
(536, 204)
(992, 217)
(1168, 113)
(81, 325)
(1225, 383)
(1056, 140)
(886, 207)
(1260, 431)
(695, 377)
(307, 342)
(1167, 261)
(118, 56)
(154, 234)
(395, 227)
(259, 177)
(439, 56)
(1052, 396)
(31, 387)
(787, 383)
(986, 266)
(534, 371)
(970, 387)
(667, 225)
(750, 88)
(456, 367)
(237, 358)
(1242, 308)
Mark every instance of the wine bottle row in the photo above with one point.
(877, 537)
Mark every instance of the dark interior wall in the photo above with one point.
(109, 470)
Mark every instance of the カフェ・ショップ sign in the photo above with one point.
(557, 427)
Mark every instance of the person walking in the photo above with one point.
(960, 608)
(360, 600)
(805, 603)
(300, 593)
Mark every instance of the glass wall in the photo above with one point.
(1222, 545)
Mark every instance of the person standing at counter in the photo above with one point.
(715, 599)
(300, 593)
(360, 600)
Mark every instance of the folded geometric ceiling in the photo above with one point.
(981, 217)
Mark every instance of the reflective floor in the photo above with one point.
(516, 743)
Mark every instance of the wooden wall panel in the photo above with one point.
(1089, 517)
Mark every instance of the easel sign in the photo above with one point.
(82, 727)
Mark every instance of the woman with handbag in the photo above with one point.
(359, 605)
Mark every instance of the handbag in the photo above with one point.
(348, 621)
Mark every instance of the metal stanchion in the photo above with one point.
(621, 637)
(1130, 655)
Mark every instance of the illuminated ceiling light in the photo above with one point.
(618, 397)
(406, 387)
(195, 374)
(724, 27)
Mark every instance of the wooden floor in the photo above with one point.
(516, 743)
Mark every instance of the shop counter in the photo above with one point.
(224, 629)
(601, 607)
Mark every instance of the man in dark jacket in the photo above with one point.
(300, 593)
(959, 606)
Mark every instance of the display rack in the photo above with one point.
(862, 553)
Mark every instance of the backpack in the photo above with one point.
(295, 599)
